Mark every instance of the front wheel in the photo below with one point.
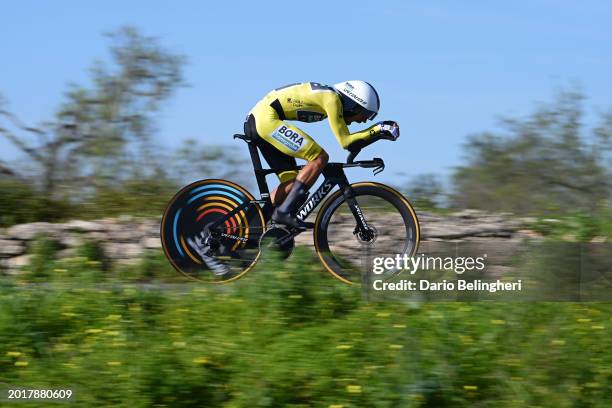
(393, 229)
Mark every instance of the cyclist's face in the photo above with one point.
(360, 118)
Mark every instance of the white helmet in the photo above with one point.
(358, 97)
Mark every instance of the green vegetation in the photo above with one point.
(546, 163)
(425, 192)
(576, 226)
(97, 157)
(20, 202)
(288, 334)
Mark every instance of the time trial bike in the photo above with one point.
(354, 224)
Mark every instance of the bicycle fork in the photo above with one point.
(362, 230)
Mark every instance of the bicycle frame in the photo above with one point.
(333, 174)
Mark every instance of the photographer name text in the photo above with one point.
(444, 285)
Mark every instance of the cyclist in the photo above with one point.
(281, 142)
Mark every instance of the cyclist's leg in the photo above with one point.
(285, 213)
(307, 175)
(279, 194)
(295, 143)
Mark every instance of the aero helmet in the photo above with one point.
(358, 97)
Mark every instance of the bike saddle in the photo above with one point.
(246, 138)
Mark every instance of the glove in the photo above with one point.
(389, 129)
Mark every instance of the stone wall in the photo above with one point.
(125, 239)
(122, 239)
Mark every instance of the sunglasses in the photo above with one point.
(360, 110)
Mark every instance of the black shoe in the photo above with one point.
(217, 267)
(290, 220)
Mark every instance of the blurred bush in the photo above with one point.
(42, 251)
(288, 334)
(576, 226)
(141, 197)
(542, 164)
(20, 202)
(97, 156)
(93, 252)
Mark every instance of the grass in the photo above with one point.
(289, 334)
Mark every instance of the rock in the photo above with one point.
(528, 234)
(29, 231)
(304, 239)
(18, 262)
(125, 233)
(498, 271)
(10, 248)
(125, 239)
(71, 240)
(151, 243)
(149, 226)
(448, 230)
(469, 214)
(96, 236)
(83, 226)
(123, 250)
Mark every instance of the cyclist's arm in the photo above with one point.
(333, 107)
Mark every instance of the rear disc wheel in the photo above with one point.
(234, 247)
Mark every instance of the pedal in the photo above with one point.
(278, 238)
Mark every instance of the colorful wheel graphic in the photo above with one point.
(196, 209)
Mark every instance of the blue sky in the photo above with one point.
(443, 69)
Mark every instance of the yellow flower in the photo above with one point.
(21, 363)
(353, 389)
(113, 363)
(466, 339)
(13, 353)
(344, 346)
(200, 360)
(470, 387)
(93, 331)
